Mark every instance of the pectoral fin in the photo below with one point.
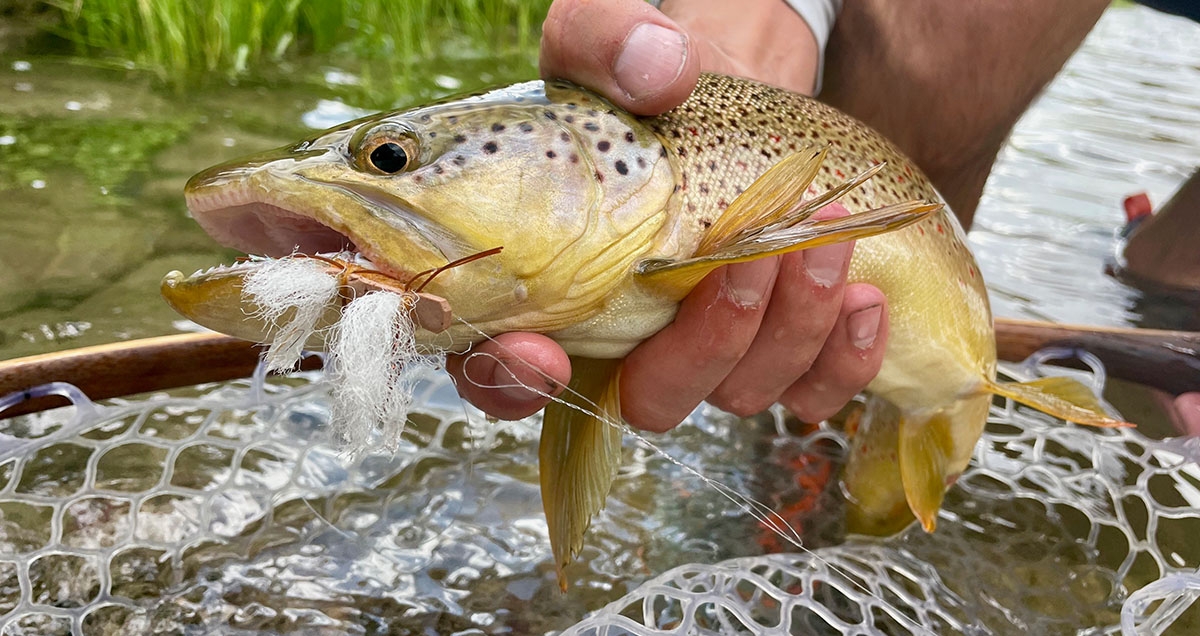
(769, 199)
(579, 456)
(680, 276)
(1062, 397)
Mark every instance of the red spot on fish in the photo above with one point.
(840, 174)
(939, 229)
(742, 165)
(775, 138)
(900, 179)
(921, 230)
(693, 131)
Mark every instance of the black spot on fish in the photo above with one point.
(497, 128)
(591, 126)
(712, 165)
(683, 152)
(452, 119)
(550, 115)
(432, 135)
(418, 178)
(564, 136)
(641, 162)
(704, 188)
(490, 147)
(603, 146)
(766, 153)
(550, 154)
(570, 119)
(572, 106)
(706, 223)
(526, 127)
(599, 177)
(621, 167)
(425, 117)
(438, 169)
(574, 158)
(662, 151)
(629, 136)
(460, 160)
(460, 138)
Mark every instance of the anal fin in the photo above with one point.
(926, 452)
(1063, 397)
(579, 455)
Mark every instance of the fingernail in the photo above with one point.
(511, 387)
(488, 372)
(825, 264)
(863, 326)
(651, 58)
(747, 284)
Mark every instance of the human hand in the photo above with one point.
(786, 329)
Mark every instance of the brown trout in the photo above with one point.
(606, 221)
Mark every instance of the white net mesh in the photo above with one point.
(227, 509)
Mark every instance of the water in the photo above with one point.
(92, 164)
(1122, 117)
(93, 161)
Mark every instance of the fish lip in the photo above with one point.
(235, 215)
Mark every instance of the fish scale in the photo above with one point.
(730, 131)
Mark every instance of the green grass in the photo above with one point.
(181, 40)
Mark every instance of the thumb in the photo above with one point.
(626, 50)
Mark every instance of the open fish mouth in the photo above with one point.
(243, 219)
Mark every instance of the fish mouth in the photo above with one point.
(248, 220)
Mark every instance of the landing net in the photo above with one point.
(230, 509)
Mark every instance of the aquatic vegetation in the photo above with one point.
(179, 41)
(105, 152)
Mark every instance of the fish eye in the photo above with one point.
(389, 157)
(386, 149)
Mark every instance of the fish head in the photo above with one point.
(572, 190)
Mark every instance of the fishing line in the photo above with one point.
(373, 391)
(771, 519)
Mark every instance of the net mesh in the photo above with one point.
(229, 508)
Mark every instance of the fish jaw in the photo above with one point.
(279, 203)
(215, 299)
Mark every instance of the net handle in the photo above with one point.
(1167, 360)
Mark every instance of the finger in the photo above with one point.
(806, 301)
(626, 50)
(851, 358)
(503, 376)
(1187, 412)
(665, 377)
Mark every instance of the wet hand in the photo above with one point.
(786, 329)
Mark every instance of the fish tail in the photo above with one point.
(901, 464)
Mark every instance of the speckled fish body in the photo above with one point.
(606, 221)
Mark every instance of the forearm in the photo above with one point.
(946, 80)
